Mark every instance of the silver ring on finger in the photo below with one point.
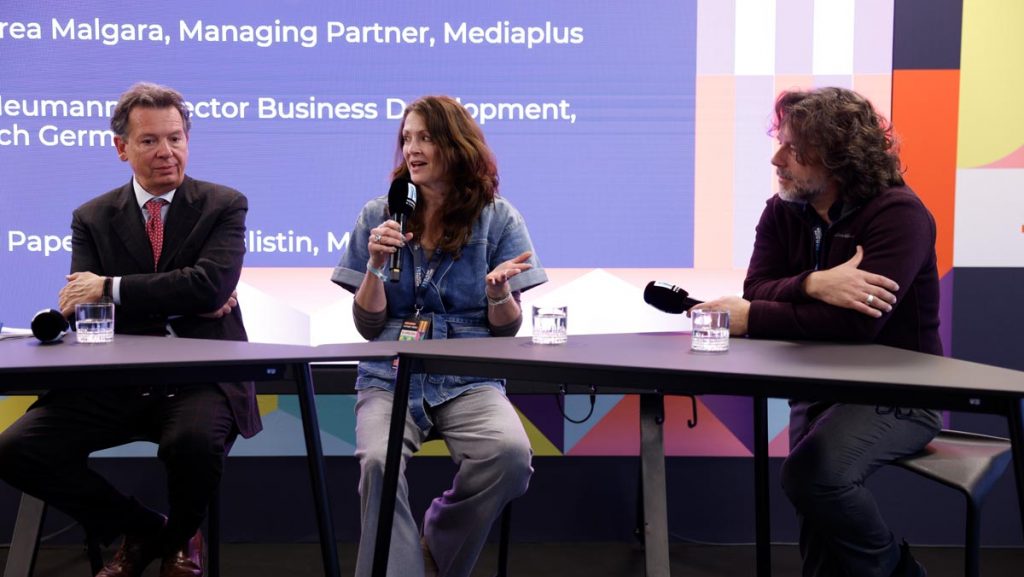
(377, 237)
(870, 299)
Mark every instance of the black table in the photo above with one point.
(28, 367)
(663, 362)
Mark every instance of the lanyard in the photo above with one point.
(423, 276)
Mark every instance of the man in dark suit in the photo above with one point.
(167, 250)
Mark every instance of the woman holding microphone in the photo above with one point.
(465, 258)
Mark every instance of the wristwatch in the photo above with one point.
(108, 290)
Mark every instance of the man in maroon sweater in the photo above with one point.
(844, 252)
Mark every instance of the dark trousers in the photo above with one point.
(834, 448)
(45, 454)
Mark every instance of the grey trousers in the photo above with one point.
(834, 448)
(488, 443)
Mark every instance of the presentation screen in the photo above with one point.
(590, 113)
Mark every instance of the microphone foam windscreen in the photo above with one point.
(401, 197)
(666, 297)
(49, 325)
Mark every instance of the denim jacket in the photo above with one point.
(454, 295)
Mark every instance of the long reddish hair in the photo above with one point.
(468, 162)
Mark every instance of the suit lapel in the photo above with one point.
(182, 217)
(131, 228)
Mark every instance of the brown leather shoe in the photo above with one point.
(135, 553)
(188, 562)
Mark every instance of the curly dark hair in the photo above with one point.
(840, 129)
(147, 95)
(468, 161)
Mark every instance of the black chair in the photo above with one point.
(32, 513)
(970, 463)
(503, 541)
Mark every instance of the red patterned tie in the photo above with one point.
(155, 227)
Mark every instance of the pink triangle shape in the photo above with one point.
(779, 446)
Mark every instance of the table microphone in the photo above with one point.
(401, 204)
(668, 297)
(49, 326)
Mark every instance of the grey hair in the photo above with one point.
(147, 95)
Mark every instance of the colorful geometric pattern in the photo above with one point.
(757, 50)
(989, 224)
(959, 69)
(990, 147)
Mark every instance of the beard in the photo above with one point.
(798, 191)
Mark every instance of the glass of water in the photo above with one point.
(94, 322)
(710, 331)
(549, 324)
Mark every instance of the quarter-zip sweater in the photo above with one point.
(898, 236)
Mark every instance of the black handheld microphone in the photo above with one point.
(668, 297)
(401, 204)
(49, 326)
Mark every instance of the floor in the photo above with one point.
(545, 560)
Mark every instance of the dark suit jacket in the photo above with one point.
(199, 267)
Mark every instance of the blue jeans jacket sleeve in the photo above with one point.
(349, 272)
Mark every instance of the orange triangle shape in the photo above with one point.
(710, 438)
(618, 433)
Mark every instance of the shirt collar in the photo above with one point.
(142, 196)
(837, 212)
